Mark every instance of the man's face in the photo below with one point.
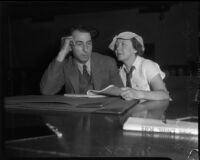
(124, 49)
(82, 46)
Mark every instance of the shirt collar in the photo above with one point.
(135, 63)
(80, 65)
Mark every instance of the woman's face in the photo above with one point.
(124, 49)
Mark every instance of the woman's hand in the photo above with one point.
(130, 93)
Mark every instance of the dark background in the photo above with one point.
(31, 32)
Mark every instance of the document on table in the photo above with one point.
(109, 91)
(75, 103)
(84, 95)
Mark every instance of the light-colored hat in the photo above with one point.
(126, 35)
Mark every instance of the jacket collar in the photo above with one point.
(73, 72)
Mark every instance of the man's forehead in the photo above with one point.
(77, 32)
(81, 36)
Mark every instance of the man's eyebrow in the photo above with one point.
(79, 41)
(82, 41)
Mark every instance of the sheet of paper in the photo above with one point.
(84, 95)
(111, 90)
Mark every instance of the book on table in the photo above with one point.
(155, 125)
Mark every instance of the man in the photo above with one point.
(80, 70)
(142, 77)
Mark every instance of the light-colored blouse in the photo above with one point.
(145, 71)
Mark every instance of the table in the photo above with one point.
(95, 134)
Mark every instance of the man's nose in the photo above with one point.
(85, 47)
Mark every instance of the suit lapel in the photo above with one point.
(95, 69)
(73, 75)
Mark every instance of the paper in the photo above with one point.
(111, 90)
(83, 95)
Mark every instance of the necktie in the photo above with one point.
(85, 73)
(129, 76)
(85, 81)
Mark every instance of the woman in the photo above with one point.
(142, 77)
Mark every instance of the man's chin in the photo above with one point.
(84, 60)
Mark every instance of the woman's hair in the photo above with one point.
(137, 46)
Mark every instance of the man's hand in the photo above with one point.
(65, 48)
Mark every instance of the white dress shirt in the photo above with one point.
(145, 71)
(80, 66)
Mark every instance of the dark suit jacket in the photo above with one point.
(103, 71)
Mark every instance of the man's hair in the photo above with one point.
(84, 29)
(80, 29)
(137, 46)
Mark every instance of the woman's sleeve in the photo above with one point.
(151, 69)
